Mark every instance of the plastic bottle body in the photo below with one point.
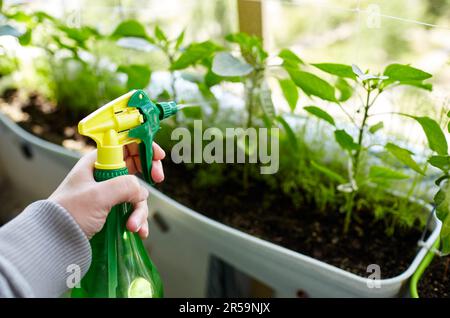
(121, 267)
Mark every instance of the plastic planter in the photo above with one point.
(182, 241)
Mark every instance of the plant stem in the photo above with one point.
(172, 78)
(355, 160)
(348, 211)
(250, 90)
(357, 155)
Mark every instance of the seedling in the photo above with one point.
(249, 66)
(357, 147)
(178, 55)
(77, 83)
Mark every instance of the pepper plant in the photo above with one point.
(440, 159)
(79, 82)
(250, 65)
(353, 136)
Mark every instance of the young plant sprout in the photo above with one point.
(178, 57)
(356, 147)
(249, 66)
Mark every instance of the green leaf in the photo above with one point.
(436, 138)
(340, 70)
(378, 173)
(20, 16)
(250, 46)
(41, 16)
(289, 58)
(320, 113)
(138, 75)
(441, 162)
(179, 40)
(193, 54)
(289, 131)
(241, 38)
(9, 30)
(441, 179)
(130, 28)
(159, 34)
(193, 112)
(25, 39)
(400, 72)
(79, 35)
(312, 84)
(442, 212)
(225, 64)
(212, 78)
(290, 92)
(345, 89)
(328, 172)
(267, 106)
(374, 128)
(445, 237)
(345, 140)
(404, 156)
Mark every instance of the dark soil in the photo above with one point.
(315, 234)
(435, 281)
(45, 120)
(257, 210)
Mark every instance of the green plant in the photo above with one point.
(440, 159)
(177, 56)
(77, 76)
(251, 68)
(250, 65)
(8, 61)
(362, 170)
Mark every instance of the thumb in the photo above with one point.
(122, 189)
(85, 165)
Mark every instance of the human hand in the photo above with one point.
(89, 202)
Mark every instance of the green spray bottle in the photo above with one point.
(121, 267)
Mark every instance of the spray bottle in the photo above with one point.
(120, 264)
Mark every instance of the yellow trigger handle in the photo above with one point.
(108, 126)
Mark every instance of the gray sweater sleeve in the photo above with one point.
(38, 249)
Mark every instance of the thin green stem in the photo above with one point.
(348, 211)
(421, 269)
(250, 92)
(357, 155)
(172, 78)
(250, 99)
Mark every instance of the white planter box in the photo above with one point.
(182, 253)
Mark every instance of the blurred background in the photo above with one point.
(369, 33)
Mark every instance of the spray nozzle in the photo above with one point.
(132, 117)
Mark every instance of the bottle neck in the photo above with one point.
(104, 174)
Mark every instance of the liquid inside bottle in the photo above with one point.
(121, 267)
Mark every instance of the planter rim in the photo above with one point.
(293, 254)
(36, 140)
(435, 226)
